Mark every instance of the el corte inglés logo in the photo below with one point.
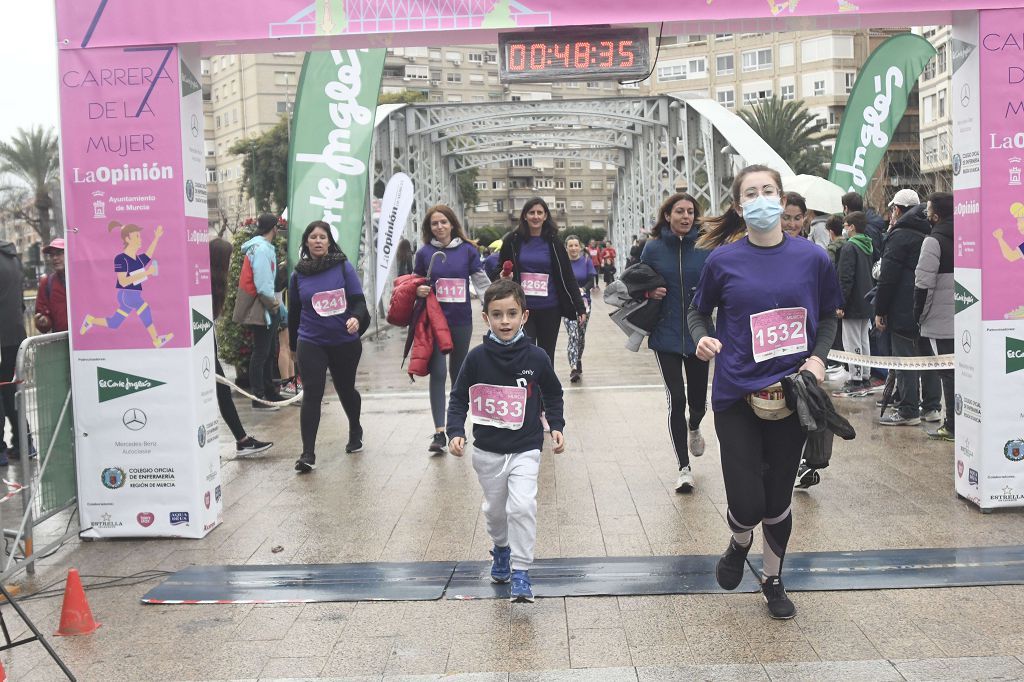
(201, 325)
(1014, 355)
(113, 384)
(962, 299)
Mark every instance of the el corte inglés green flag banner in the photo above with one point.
(332, 131)
(875, 107)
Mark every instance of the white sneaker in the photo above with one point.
(932, 416)
(684, 484)
(695, 443)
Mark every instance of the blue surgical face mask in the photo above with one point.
(762, 213)
(519, 334)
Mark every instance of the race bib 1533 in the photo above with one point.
(500, 406)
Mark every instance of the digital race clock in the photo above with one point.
(574, 53)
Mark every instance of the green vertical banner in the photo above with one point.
(332, 133)
(875, 107)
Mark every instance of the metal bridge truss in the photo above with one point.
(656, 144)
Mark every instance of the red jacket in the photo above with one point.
(427, 323)
(51, 300)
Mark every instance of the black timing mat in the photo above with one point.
(579, 577)
(304, 583)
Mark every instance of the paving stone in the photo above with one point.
(589, 675)
(974, 668)
(848, 671)
(708, 673)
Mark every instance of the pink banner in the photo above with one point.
(130, 22)
(1002, 158)
(122, 166)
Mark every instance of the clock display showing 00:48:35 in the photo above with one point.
(581, 55)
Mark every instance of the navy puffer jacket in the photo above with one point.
(679, 261)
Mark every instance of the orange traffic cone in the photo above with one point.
(75, 615)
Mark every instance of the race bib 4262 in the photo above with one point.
(535, 283)
(778, 332)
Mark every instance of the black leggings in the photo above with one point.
(542, 327)
(672, 366)
(460, 346)
(313, 361)
(8, 409)
(759, 463)
(224, 401)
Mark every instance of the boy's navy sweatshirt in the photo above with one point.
(520, 364)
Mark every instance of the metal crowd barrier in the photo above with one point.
(46, 479)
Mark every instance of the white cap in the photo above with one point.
(905, 197)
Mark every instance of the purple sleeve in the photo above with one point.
(353, 286)
(420, 266)
(709, 289)
(120, 263)
(591, 270)
(476, 264)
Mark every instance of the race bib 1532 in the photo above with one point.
(778, 332)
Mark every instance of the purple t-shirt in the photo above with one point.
(584, 272)
(325, 299)
(453, 290)
(535, 259)
(128, 265)
(743, 280)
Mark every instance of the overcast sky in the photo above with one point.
(28, 54)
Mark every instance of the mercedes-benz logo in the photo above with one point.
(965, 341)
(194, 124)
(965, 95)
(206, 367)
(134, 419)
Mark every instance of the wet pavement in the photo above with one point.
(609, 494)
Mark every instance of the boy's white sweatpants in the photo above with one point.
(510, 501)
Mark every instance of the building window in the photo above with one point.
(929, 70)
(593, 85)
(725, 64)
(610, 185)
(826, 47)
(497, 184)
(940, 59)
(834, 118)
(727, 98)
(757, 60)
(930, 150)
(482, 207)
(476, 78)
(456, 99)
(596, 205)
(559, 205)
(818, 88)
(723, 36)
(928, 109)
(217, 120)
(475, 58)
(576, 205)
(522, 163)
(559, 163)
(596, 184)
(284, 107)
(755, 96)
(575, 164)
(417, 71)
(786, 55)
(479, 184)
(515, 98)
(851, 79)
(499, 205)
(453, 77)
(788, 92)
(211, 175)
(453, 57)
(560, 184)
(942, 103)
(575, 184)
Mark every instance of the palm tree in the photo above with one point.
(792, 132)
(32, 156)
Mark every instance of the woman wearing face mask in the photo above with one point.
(776, 298)
(794, 214)
(326, 316)
(540, 264)
(673, 254)
(586, 278)
(449, 278)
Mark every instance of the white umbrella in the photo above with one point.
(820, 194)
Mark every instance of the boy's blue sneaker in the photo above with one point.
(501, 567)
(522, 591)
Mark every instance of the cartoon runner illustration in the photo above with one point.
(1009, 253)
(132, 269)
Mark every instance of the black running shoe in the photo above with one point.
(249, 446)
(305, 463)
(729, 571)
(779, 605)
(574, 376)
(355, 442)
(806, 477)
(438, 443)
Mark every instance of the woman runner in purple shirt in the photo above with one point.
(776, 298)
(540, 264)
(586, 278)
(449, 278)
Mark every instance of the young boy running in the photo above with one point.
(504, 384)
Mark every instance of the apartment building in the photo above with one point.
(935, 119)
(817, 68)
